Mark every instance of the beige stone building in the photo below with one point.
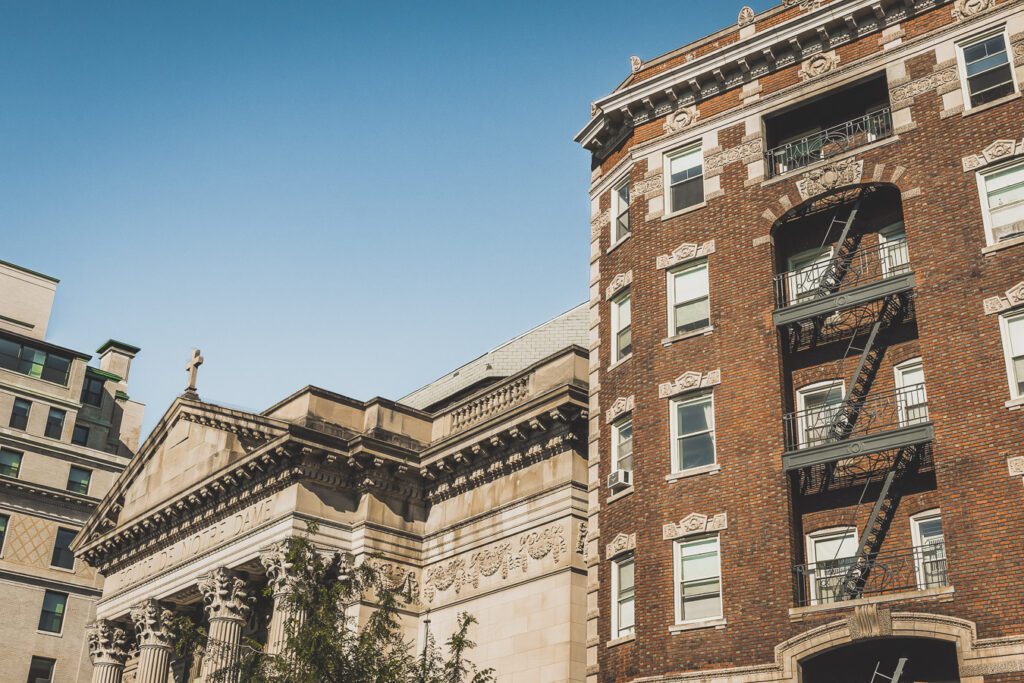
(67, 429)
(472, 489)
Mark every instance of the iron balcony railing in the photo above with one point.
(879, 412)
(866, 265)
(917, 568)
(827, 143)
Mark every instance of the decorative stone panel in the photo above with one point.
(694, 524)
(599, 223)
(819, 65)
(845, 172)
(902, 94)
(650, 187)
(870, 621)
(622, 543)
(618, 283)
(746, 152)
(1014, 297)
(746, 17)
(686, 252)
(681, 119)
(689, 381)
(965, 9)
(998, 150)
(1016, 466)
(622, 405)
(1017, 44)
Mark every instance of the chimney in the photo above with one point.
(116, 357)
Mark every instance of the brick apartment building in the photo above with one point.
(807, 350)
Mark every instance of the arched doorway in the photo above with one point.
(927, 661)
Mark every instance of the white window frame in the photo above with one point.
(801, 404)
(616, 302)
(677, 557)
(1004, 329)
(899, 372)
(667, 158)
(617, 632)
(961, 63)
(616, 210)
(670, 295)
(917, 541)
(616, 428)
(692, 397)
(821, 535)
(793, 273)
(986, 214)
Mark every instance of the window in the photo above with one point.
(62, 555)
(693, 432)
(988, 69)
(689, 308)
(78, 480)
(911, 399)
(19, 415)
(1013, 346)
(622, 444)
(92, 391)
(10, 462)
(620, 209)
(817, 406)
(33, 362)
(892, 243)
(929, 549)
(698, 580)
(41, 670)
(830, 553)
(622, 340)
(686, 179)
(624, 596)
(51, 619)
(4, 521)
(54, 423)
(1002, 192)
(80, 435)
(805, 272)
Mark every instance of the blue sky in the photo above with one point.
(360, 196)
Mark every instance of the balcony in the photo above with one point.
(830, 142)
(914, 569)
(869, 274)
(883, 421)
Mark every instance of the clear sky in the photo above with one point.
(360, 196)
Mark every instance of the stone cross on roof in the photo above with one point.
(192, 368)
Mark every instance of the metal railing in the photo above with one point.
(917, 568)
(866, 265)
(829, 142)
(879, 412)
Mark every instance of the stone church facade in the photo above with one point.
(471, 490)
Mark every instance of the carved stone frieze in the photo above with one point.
(622, 543)
(748, 151)
(746, 17)
(622, 405)
(1014, 297)
(225, 595)
(152, 621)
(650, 186)
(500, 559)
(618, 283)
(599, 223)
(819, 65)
(1015, 466)
(804, 4)
(965, 9)
(108, 643)
(845, 172)
(689, 381)
(681, 119)
(901, 95)
(1017, 43)
(686, 252)
(693, 524)
(397, 577)
(996, 151)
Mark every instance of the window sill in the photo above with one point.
(669, 341)
(989, 105)
(796, 613)
(1005, 244)
(621, 640)
(63, 569)
(693, 472)
(1015, 403)
(621, 494)
(682, 212)
(697, 625)
(782, 177)
(619, 362)
(616, 245)
(50, 633)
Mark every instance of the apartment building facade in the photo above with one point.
(67, 429)
(807, 350)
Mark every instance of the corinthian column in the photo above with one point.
(281, 579)
(227, 608)
(152, 621)
(108, 649)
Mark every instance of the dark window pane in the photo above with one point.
(54, 423)
(62, 556)
(692, 316)
(4, 520)
(92, 391)
(10, 462)
(695, 451)
(41, 670)
(693, 417)
(19, 415)
(688, 193)
(991, 85)
(625, 342)
(78, 480)
(51, 619)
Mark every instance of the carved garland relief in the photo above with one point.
(819, 65)
(964, 9)
(846, 172)
(1014, 297)
(688, 381)
(681, 119)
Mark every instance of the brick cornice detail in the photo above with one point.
(689, 381)
(1014, 297)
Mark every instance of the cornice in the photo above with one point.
(52, 448)
(50, 492)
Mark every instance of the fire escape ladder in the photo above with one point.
(849, 240)
(878, 522)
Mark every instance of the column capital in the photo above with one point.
(279, 570)
(152, 623)
(225, 595)
(108, 642)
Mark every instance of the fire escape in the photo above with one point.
(859, 297)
